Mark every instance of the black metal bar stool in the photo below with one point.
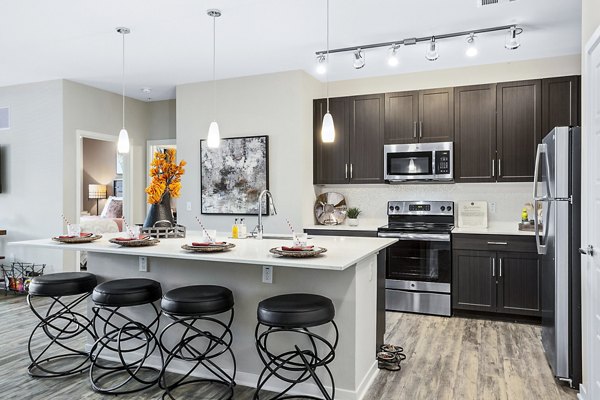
(60, 323)
(200, 337)
(123, 338)
(295, 313)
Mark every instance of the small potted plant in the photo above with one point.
(352, 214)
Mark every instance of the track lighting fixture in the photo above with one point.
(393, 55)
(321, 64)
(432, 53)
(511, 38)
(471, 47)
(359, 59)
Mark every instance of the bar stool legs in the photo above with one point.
(200, 347)
(132, 342)
(60, 323)
(295, 366)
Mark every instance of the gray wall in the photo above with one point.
(32, 179)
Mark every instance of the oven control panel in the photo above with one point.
(420, 208)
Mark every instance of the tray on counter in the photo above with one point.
(150, 241)
(209, 248)
(298, 253)
(74, 240)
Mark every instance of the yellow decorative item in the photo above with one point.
(524, 215)
(166, 184)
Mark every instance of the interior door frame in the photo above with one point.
(591, 366)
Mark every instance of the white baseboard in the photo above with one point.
(250, 379)
(582, 395)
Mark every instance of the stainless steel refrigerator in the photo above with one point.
(557, 187)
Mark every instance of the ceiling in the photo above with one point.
(171, 40)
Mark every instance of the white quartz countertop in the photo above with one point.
(495, 228)
(342, 252)
(363, 225)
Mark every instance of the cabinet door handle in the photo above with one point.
(501, 268)
(499, 167)
(350, 170)
(346, 170)
(498, 243)
(420, 129)
(493, 168)
(415, 130)
(493, 267)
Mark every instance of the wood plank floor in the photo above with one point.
(460, 358)
(447, 358)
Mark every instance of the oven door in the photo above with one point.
(419, 261)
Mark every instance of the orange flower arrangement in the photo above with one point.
(166, 176)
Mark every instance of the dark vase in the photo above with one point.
(160, 213)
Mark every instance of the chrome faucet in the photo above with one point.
(258, 231)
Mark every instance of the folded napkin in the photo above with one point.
(82, 234)
(198, 244)
(128, 239)
(297, 248)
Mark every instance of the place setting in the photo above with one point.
(208, 243)
(134, 237)
(299, 248)
(74, 234)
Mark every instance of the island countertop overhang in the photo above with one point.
(342, 252)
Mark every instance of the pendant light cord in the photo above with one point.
(123, 80)
(214, 68)
(327, 69)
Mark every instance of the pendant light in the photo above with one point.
(123, 143)
(214, 137)
(327, 129)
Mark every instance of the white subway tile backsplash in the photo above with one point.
(372, 199)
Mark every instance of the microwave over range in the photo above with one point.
(419, 162)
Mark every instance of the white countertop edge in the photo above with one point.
(320, 262)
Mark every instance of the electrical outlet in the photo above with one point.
(267, 274)
(188, 206)
(143, 261)
(493, 207)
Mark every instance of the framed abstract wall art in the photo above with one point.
(233, 175)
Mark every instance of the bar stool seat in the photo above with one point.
(127, 292)
(199, 337)
(60, 323)
(62, 284)
(197, 300)
(301, 310)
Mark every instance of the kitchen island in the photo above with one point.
(346, 273)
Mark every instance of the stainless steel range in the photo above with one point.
(419, 273)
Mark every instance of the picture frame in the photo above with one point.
(233, 175)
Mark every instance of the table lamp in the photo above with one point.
(96, 191)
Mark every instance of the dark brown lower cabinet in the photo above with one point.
(486, 277)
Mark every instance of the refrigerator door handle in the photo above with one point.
(541, 248)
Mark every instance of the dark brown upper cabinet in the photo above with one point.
(366, 115)
(518, 129)
(560, 102)
(419, 116)
(475, 133)
(356, 155)
(330, 160)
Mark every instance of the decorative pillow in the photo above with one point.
(113, 208)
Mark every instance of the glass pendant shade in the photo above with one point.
(123, 143)
(214, 137)
(327, 130)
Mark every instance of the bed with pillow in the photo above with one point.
(110, 221)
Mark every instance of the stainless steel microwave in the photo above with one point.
(426, 162)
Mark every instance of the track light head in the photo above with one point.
(432, 53)
(393, 59)
(359, 59)
(511, 38)
(321, 64)
(471, 47)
